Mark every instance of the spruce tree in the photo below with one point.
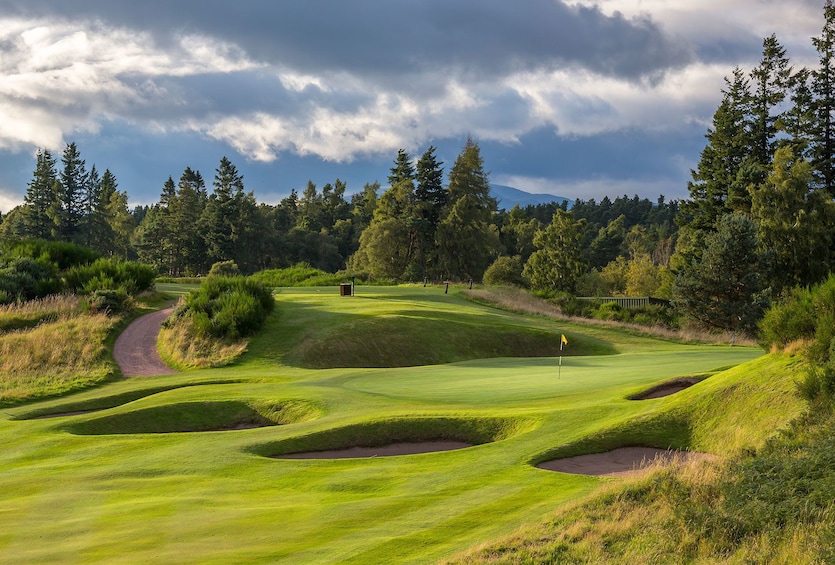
(69, 213)
(823, 87)
(40, 197)
(468, 241)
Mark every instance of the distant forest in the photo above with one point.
(758, 221)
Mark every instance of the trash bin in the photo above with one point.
(345, 289)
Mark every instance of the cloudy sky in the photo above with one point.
(580, 99)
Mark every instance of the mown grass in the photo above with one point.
(769, 504)
(216, 496)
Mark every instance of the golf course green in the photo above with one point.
(188, 468)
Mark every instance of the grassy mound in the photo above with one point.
(473, 431)
(98, 403)
(701, 512)
(196, 417)
(403, 341)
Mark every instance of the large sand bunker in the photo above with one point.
(620, 462)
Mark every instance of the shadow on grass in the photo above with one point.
(198, 417)
(381, 433)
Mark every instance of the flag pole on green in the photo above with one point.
(563, 341)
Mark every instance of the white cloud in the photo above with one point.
(59, 78)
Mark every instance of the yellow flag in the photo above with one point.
(562, 339)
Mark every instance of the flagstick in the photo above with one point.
(559, 371)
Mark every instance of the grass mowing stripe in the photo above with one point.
(207, 498)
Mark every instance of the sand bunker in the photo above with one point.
(620, 462)
(666, 388)
(404, 448)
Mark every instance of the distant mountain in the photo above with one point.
(508, 197)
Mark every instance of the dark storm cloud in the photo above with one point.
(381, 38)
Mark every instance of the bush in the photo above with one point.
(63, 255)
(227, 307)
(110, 301)
(110, 274)
(612, 311)
(505, 271)
(225, 269)
(790, 320)
(24, 279)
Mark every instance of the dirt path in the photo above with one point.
(135, 350)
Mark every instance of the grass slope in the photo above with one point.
(127, 493)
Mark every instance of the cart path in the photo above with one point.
(135, 350)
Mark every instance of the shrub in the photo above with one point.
(505, 271)
(24, 279)
(227, 307)
(62, 254)
(109, 301)
(110, 274)
(225, 269)
(790, 320)
(612, 311)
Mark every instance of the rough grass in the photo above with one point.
(181, 348)
(57, 356)
(518, 300)
(24, 315)
(775, 507)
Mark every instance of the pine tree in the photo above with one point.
(796, 223)
(221, 213)
(723, 288)
(718, 174)
(823, 87)
(40, 197)
(770, 84)
(468, 241)
(430, 200)
(69, 214)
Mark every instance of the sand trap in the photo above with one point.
(620, 462)
(666, 389)
(382, 451)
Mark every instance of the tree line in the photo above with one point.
(427, 224)
(758, 221)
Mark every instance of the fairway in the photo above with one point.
(182, 468)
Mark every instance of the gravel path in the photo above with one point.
(135, 350)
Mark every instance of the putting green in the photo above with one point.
(511, 381)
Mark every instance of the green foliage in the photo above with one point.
(110, 300)
(724, 287)
(64, 255)
(612, 311)
(505, 271)
(558, 263)
(226, 307)
(791, 319)
(110, 274)
(224, 269)
(301, 274)
(24, 279)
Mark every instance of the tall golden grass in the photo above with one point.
(181, 348)
(29, 314)
(64, 351)
(517, 300)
